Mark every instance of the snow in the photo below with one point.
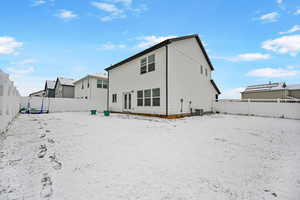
(78, 156)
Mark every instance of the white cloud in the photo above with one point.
(113, 10)
(38, 2)
(118, 9)
(250, 57)
(283, 45)
(269, 17)
(66, 14)
(148, 41)
(42, 2)
(273, 72)
(9, 45)
(279, 1)
(106, 7)
(245, 57)
(294, 29)
(234, 93)
(297, 12)
(25, 62)
(19, 72)
(110, 46)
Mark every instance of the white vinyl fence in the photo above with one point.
(63, 104)
(9, 101)
(271, 108)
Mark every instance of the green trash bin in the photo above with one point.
(106, 113)
(93, 112)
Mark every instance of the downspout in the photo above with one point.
(167, 92)
(107, 103)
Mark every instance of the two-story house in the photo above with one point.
(49, 89)
(168, 79)
(64, 88)
(93, 86)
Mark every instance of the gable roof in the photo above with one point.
(162, 44)
(97, 75)
(37, 92)
(215, 86)
(64, 81)
(49, 84)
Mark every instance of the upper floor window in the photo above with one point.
(201, 69)
(148, 62)
(99, 83)
(105, 83)
(143, 65)
(82, 86)
(205, 72)
(151, 63)
(102, 83)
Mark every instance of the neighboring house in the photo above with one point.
(272, 91)
(49, 88)
(171, 78)
(37, 94)
(92, 87)
(64, 88)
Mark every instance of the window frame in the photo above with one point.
(99, 84)
(147, 99)
(143, 65)
(151, 63)
(155, 97)
(140, 98)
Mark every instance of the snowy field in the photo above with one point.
(75, 156)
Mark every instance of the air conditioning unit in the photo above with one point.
(198, 112)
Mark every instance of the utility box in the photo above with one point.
(198, 112)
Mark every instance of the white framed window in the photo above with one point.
(205, 72)
(99, 83)
(151, 63)
(143, 66)
(201, 69)
(147, 97)
(140, 99)
(105, 83)
(156, 97)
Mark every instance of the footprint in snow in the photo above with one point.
(47, 190)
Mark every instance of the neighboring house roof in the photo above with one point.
(38, 92)
(215, 86)
(293, 87)
(271, 87)
(65, 81)
(162, 44)
(98, 75)
(50, 84)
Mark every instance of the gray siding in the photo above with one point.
(68, 91)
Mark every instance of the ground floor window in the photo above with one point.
(148, 97)
(114, 98)
(156, 97)
(147, 94)
(140, 98)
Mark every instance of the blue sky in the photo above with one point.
(249, 42)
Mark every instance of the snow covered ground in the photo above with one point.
(75, 156)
